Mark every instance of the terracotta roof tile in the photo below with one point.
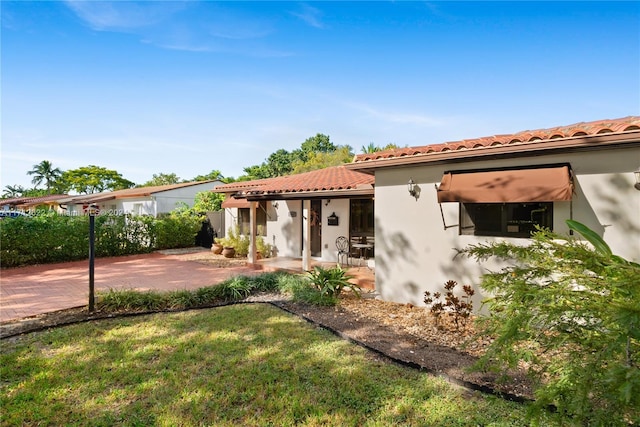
(625, 124)
(327, 179)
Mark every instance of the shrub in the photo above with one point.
(458, 308)
(580, 306)
(331, 281)
(51, 237)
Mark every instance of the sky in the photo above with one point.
(188, 87)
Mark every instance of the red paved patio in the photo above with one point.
(28, 291)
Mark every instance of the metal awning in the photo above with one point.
(540, 184)
(235, 203)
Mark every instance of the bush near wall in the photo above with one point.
(51, 238)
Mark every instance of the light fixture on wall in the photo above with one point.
(275, 205)
(411, 186)
(637, 174)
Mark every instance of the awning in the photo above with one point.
(235, 203)
(545, 184)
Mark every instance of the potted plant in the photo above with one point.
(217, 246)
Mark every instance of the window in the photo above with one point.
(361, 218)
(504, 219)
(261, 220)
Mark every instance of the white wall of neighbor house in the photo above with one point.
(137, 206)
(415, 253)
(169, 200)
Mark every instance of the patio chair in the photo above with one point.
(342, 244)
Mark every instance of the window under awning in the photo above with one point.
(544, 184)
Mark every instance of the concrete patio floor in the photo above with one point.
(33, 290)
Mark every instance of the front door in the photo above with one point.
(316, 228)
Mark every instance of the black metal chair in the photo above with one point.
(342, 244)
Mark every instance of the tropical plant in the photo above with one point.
(44, 171)
(12, 191)
(332, 281)
(571, 312)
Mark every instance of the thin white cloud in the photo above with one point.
(117, 15)
(398, 117)
(310, 15)
(184, 25)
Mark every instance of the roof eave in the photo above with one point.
(549, 146)
(305, 195)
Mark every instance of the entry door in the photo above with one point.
(316, 228)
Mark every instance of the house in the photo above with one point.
(302, 215)
(141, 200)
(33, 204)
(432, 199)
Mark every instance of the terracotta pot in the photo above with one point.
(229, 252)
(216, 248)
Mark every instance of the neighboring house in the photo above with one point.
(434, 199)
(33, 204)
(302, 215)
(140, 201)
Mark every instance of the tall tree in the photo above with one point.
(44, 171)
(314, 144)
(213, 175)
(94, 179)
(162, 179)
(320, 160)
(12, 191)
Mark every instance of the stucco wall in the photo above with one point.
(166, 201)
(284, 226)
(415, 253)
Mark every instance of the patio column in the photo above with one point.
(306, 235)
(252, 256)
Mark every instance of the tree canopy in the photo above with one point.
(162, 179)
(315, 152)
(94, 179)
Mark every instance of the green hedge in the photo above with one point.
(51, 238)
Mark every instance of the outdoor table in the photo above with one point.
(362, 247)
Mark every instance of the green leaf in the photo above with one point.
(592, 237)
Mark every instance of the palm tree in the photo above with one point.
(13, 191)
(369, 149)
(44, 171)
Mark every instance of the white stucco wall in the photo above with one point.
(414, 252)
(284, 226)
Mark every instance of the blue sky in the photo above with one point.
(186, 87)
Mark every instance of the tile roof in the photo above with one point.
(335, 178)
(32, 200)
(600, 127)
(132, 192)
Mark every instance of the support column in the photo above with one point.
(252, 256)
(306, 235)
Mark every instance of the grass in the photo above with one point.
(250, 365)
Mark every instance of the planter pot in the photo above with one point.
(216, 248)
(229, 252)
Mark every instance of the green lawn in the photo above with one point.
(236, 365)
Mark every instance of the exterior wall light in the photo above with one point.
(411, 186)
(637, 174)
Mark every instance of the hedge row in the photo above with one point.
(57, 238)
